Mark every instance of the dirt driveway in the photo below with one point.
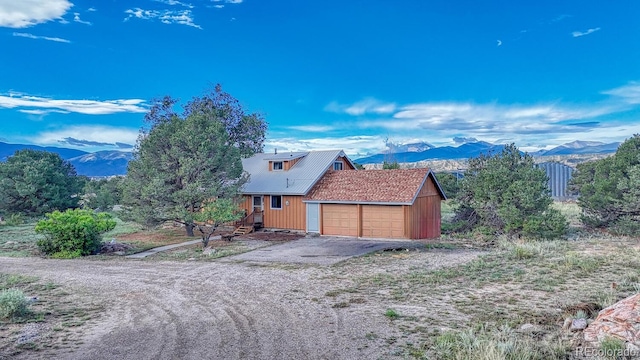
(321, 250)
(226, 310)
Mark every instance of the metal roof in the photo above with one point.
(285, 156)
(298, 180)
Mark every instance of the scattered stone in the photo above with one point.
(620, 321)
(191, 259)
(208, 250)
(31, 299)
(115, 248)
(578, 324)
(10, 243)
(529, 328)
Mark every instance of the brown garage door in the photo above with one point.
(339, 220)
(380, 221)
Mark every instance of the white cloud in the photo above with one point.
(25, 13)
(533, 126)
(41, 112)
(88, 133)
(366, 106)
(27, 103)
(312, 128)
(352, 145)
(182, 17)
(76, 18)
(31, 36)
(92, 9)
(583, 33)
(630, 93)
(175, 2)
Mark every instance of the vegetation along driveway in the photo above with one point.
(226, 310)
(321, 250)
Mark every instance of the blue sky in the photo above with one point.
(326, 75)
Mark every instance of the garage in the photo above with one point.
(383, 204)
(339, 219)
(381, 221)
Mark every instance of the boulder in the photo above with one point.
(578, 324)
(620, 321)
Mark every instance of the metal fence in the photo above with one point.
(559, 176)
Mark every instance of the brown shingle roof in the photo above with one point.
(369, 186)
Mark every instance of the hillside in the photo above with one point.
(97, 164)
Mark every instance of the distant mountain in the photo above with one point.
(464, 151)
(582, 147)
(7, 150)
(413, 147)
(474, 149)
(101, 163)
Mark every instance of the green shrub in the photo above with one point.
(626, 225)
(12, 304)
(391, 314)
(505, 193)
(73, 233)
(15, 220)
(609, 189)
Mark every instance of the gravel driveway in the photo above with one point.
(222, 310)
(321, 250)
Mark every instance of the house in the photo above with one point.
(321, 192)
(278, 182)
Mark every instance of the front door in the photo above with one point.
(313, 218)
(257, 208)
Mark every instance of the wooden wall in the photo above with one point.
(423, 218)
(292, 216)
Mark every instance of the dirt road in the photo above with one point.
(217, 310)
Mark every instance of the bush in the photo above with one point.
(610, 190)
(12, 304)
(73, 233)
(505, 193)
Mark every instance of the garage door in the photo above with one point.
(339, 220)
(379, 221)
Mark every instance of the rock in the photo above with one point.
(567, 323)
(208, 250)
(527, 327)
(578, 324)
(620, 321)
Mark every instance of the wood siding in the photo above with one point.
(289, 164)
(345, 164)
(292, 216)
(383, 221)
(423, 218)
(246, 204)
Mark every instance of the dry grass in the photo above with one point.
(55, 320)
(475, 310)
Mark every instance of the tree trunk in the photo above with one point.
(189, 227)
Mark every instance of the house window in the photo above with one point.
(276, 201)
(337, 165)
(277, 165)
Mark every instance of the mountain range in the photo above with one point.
(96, 164)
(474, 149)
(110, 163)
